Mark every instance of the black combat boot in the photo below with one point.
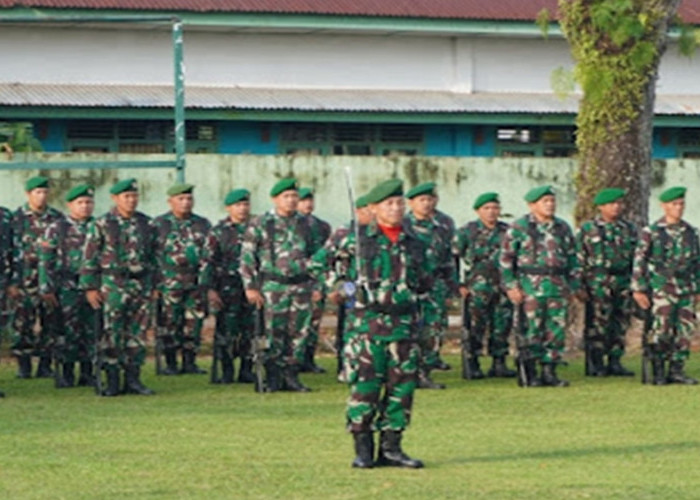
(676, 375)
(132, 382)
(67, 376)
(226, 367)
(86, 378)
(475, 369)
(170, 363)
(43, 370)
(657, 366)
(499, 369)
(425, 382)
(2, 394)
(390, 453)
(273, 380)
(364, 450)
(615, 368)
(24, 366)
(549, 376)
(440, 365)
(291, 382)
(533, 380)
(189, 364)
(310, 365)
(596, 363)
(245, 372)
(112, 388)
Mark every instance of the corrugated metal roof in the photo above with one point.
(452, 9)
(308, 99)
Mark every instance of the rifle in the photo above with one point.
(157, 312)
(646, 349)
(260, 345)
(97, 361)
(466, 340)
(523, 356)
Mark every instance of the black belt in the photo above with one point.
(180, 269)
(612, 271)
(544, 271)
(121, 273)
(392, 309)
(286, 280)
(70, 277)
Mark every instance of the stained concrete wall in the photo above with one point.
(460, 180)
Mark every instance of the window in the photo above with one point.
(516, 142)
(351, 139)
(689, 143)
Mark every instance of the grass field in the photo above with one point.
(609, 438)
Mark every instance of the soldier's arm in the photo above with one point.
(47, 261)
(16, 224)
(572, 262)
(90, 271)
(508, 258)
(250, 265)
(640, 266)
(206, 267)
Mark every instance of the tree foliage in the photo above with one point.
(18, 137)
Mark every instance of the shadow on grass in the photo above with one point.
(577, 452)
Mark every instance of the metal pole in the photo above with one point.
(179, 101)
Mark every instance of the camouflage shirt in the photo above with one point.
(5, 248)
(605, 251)
(319, 231)
(28, 227)
(117, 245)
(226, 253)
(479, 247)
(264, 260)
(667, 259)
(183, 250)
(61, 254)
(438, 237)
(540, 258)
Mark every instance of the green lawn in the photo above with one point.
(609, 438)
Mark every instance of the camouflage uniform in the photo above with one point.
(319, 232)
(5, 260)
(183, 255)
(60, 257)
(28, 227)
(235, 321)
(667, 269)
(278, 270)
(605, 252)
(540, 260)
(118, 260)
(488, 308)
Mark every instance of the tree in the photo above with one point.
(617, 46)
(16, 137)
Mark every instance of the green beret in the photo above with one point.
(608, 195)
(485, 198)
(180, 189)
(672, 194)
(425, 188)
(305, 193)
(536, 193)
(361, 201)
(284, 185)
(78, 191)
(124, 186)
(384, 190)
(237, 195)
(36, 182)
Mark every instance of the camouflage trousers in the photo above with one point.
(489, 311)
(672, 327)
(287, 321)
(27, 310)
(432, 333)
(382, 379)
(183, 312)
(126, 314)
(76, 339)
(609, 309)
(317, 309)
(234, 324)
(545, 327)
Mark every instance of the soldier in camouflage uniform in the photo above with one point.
(319, 231)
(540, 273)
(60, 257)
(29, 223)
(234, 315)
(381, 351)
(117, 275)
(605, 247)
(276, 248)
(666, 282)
(421, 219)
(183, 249)
(5, 265)
(477, 244)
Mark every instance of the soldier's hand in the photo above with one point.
(316, 296)
(94, 298)
(155, 294)
(642, 300)
(582, 295)
(14, 292)
(336, 298)
(215, 300)
(515, 295)
(464, 292)
(50, 299)
(255, 298)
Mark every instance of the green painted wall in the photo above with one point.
(460, 180)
